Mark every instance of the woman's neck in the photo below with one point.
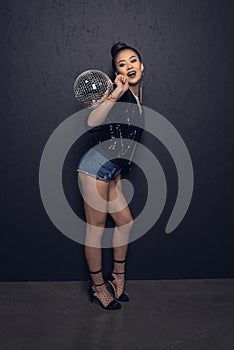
(134, 89)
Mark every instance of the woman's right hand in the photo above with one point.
(98, 115)
(121, 83)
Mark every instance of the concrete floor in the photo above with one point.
(161, 315)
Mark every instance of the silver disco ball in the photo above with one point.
(92, 87)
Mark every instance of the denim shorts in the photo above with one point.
(95, 164)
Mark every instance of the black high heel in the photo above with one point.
(113, 305)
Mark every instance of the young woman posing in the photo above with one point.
(97, 172)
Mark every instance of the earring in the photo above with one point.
(141, 88)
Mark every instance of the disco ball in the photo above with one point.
(92, 87)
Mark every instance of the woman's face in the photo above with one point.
(128, 64)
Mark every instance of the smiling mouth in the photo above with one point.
(131, 74)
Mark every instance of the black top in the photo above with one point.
(119, 130)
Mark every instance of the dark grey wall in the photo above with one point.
(187, 48)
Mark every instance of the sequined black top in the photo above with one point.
(122, 128)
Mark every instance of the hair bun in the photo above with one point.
(118, 46)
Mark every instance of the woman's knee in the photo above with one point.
(97, 220)
(123, 220)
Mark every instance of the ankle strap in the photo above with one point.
(119, 261)
(93, 273)
(101, 284)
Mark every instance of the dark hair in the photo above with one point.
(119, 47)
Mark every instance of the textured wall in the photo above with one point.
(187, 48)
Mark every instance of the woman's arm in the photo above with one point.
(99, 114)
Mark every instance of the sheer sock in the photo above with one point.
(119, 276)
(99, 288)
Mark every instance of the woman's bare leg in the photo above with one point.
(94, 230)
(122, 216)
(95, 220)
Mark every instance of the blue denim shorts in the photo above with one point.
(95, 164)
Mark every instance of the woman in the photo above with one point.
(96, 171)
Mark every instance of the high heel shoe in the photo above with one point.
(113, 288)
(113, 305)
